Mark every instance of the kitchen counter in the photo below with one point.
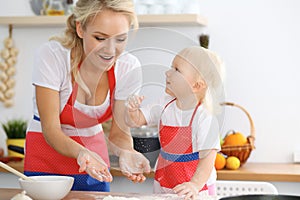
(7, 194)
(281, 172)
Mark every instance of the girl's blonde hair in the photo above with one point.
(211, 70)
(84, 11)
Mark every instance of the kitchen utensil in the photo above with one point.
(12, 170)
(37, 6)
(262, 197)
(145, 141)
(47, 187)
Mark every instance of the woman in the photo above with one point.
(82, 79)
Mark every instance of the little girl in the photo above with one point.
(188, 127)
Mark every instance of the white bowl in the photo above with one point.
(47, 187)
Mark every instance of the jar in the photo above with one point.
(55, 8)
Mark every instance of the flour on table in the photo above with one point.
(161, 197)
(119, 198)
(132, 198)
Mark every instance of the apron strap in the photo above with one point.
(193, 115)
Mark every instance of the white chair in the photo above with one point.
(232, 188)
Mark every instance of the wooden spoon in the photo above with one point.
(12, 170)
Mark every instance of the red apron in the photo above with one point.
(42, 158)
(176, 162)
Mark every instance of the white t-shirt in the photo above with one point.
(205, 127)
(52, 69)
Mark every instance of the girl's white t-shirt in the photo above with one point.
(52, 69)
(205, 126)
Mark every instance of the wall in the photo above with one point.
(259, 42)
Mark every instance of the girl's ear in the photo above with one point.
(79, 30)
(199, 85)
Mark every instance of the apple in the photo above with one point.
(221, 140)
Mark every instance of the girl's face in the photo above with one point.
(104, 38)
(181, 78)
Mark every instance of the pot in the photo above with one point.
(146, 141)
(262, 197)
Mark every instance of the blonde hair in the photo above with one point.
(211, 70)
(84, 11)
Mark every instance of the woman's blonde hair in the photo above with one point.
(83, 12)
(211, 70)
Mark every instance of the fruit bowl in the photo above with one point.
(243, 151)
(47, 187)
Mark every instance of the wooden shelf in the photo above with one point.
(285, 172)
(144, 20)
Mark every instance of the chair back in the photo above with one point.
(232, 188)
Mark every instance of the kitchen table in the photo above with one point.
(282, 172)
(7, 194)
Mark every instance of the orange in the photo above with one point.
(235, 138)
(220, 161)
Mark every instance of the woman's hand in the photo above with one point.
(133, 164)
(189, 189)
(94, 165)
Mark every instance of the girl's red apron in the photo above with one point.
(176, 162)
(42, 159)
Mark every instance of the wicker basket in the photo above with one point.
(241, 151)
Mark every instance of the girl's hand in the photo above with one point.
(189, 189)
(94, 165)
(133, 102)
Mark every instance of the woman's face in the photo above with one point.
(104, 38)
